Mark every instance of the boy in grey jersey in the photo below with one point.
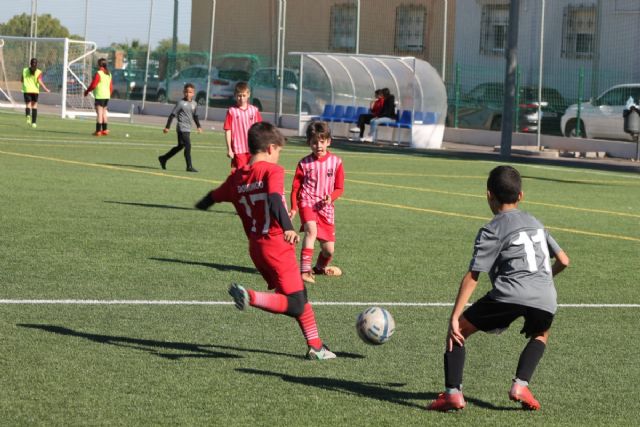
(515, 250)
(185, 109)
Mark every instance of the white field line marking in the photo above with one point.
(328, 303)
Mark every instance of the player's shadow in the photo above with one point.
(387, 392)
(219, 267)
(566, 181)
(149, 205)
(162, 206)
(121, 165)
(166, 349)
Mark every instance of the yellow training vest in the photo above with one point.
(102, 91)
(30, 82)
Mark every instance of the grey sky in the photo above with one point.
(110, 20)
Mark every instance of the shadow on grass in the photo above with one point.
(130, 166)
(387, 392)
(160, 206)
(565, 181)
(220, 267)
(156, 348)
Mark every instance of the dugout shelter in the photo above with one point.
(345, 84)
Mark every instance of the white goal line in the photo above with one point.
(329, 303)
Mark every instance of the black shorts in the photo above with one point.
(31, 97)
(489, 315)
(101, 103)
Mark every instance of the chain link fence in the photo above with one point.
(568, 51)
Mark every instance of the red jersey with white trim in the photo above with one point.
(248, 188)
(315, 178)
(238, 121)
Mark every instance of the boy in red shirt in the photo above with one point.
(236, 125)
(318, 182)
(257, 193)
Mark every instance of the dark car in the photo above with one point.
(52, 77)
(481, 108)
(129, 84)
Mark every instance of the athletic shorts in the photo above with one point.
(239, 160)
(326, 231)
(276, 260)
(101, 103)
(30, 97)
(489, 315)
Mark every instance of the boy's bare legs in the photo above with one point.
(454, 356)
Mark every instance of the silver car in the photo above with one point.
(601, 117)
(264, 86)
(172, 91)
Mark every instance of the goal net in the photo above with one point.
(66, 70)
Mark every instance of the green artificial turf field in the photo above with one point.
(114, 307)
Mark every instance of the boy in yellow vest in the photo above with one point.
(102, 86)
(31, 81)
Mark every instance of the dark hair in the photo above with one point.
(263, 134)
(378, 92)
(33, 63)
(189, 85)
(385, 92)
(241, 87)
(505, 184)
(318, 130)
(102, 63)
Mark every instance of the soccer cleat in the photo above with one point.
(331, 270)
(447, 402)
(97, 133)
(522, 394)
(105, 132)
(33, 125)
(240, 296)
(307, 276)
(322, 354)
(192, 169)
(163, 162)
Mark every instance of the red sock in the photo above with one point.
(306, 256)
(267, 301)
(323, 261)
(307, 322)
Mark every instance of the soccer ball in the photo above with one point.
(375, 325)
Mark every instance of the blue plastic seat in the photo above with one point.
(429, 118)
(405, 120)
(350, 115)
(327, 113)
(418, 117)
(338, 114)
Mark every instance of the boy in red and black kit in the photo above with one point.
(236, 125)
(257, 193)
(317, 184)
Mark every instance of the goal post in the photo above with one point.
(66, 66)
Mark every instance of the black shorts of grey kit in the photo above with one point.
(489, 315)
(101, 103)
(30, 97)
(184, 142)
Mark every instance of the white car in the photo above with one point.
(601, 117)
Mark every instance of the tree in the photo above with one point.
(48, 26)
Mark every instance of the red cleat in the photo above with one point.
(447, 402)
(522, 394)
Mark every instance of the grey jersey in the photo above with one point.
(515, 250)
(184, 111)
